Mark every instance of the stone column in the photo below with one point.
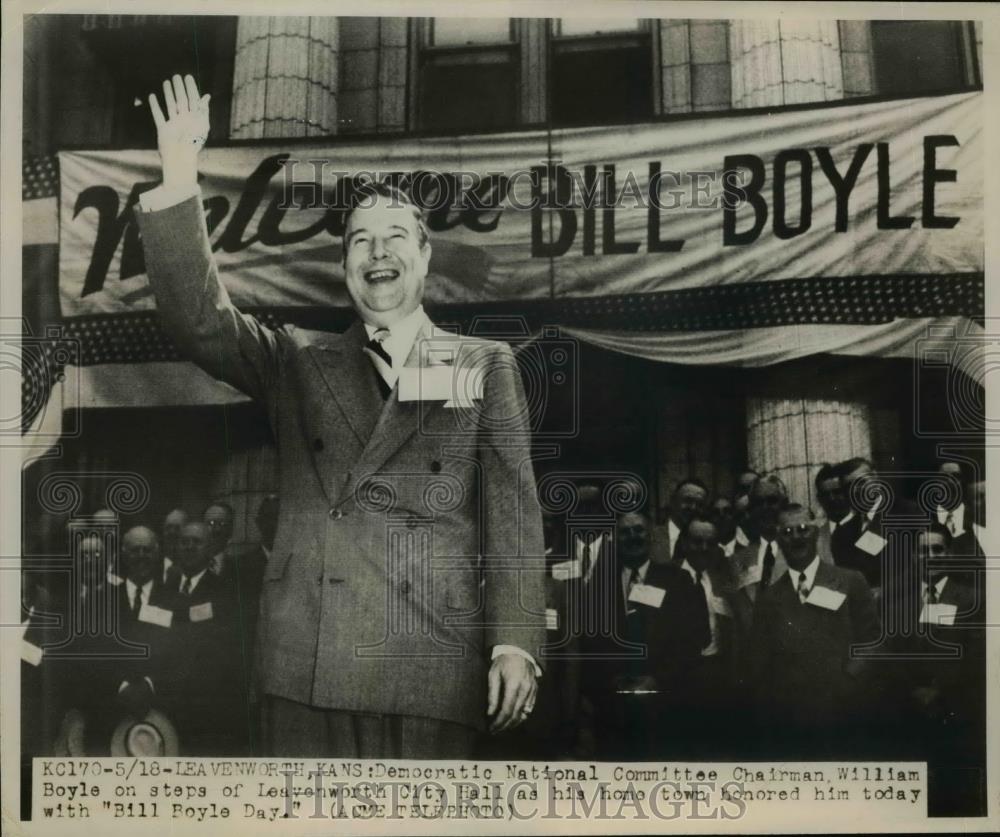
(285, 77)
(784, 62)
(793, 436)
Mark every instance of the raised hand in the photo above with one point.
(182, 132)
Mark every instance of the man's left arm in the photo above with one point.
(512, 543)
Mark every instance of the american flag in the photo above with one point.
(43, 356)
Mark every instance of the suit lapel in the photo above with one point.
(348, 375)
(399, 420)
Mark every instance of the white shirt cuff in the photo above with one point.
(513, 649)
(163, 198)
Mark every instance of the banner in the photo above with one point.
(830, 214)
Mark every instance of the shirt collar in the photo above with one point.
(938, 585)
(402, 336)
(194, 578)
(673, 533)
(775, 550)
(641, 578)
(809, 572)
(691, 571)
(130, 586)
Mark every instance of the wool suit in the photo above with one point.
(810, 690)
(409, 541)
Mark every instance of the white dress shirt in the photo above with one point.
(399, 343)
(712, 648)
(131, 588)
(194, 580)
(579, 553)
(626, 577)
(957, 518)
(981, 535)
(938, 585)
(809, 573)
(673, 532)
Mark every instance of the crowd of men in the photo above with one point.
(748, 627)
(741, 626)
(147, 621)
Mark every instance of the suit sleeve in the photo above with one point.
(193, 306)
(512, 543)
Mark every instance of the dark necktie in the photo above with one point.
(185, 586)
(932, 594)
(802, 588)
(137, 603)
(375, 347)
(768, 568)
(702, 608)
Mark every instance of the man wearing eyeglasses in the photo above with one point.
(810, 691)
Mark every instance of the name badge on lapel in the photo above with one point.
(939, 614)
(200, 612)
(825, 597)
(456, 386)
(566, 570)
(153, 615)
(647, 594)
(31, 653)
(870, 542)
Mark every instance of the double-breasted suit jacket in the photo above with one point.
(409, 541)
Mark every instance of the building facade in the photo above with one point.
(326, 77)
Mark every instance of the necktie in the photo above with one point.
(802, 588)
(703, 614)
(137, 603)
(949, 521)
(931, 594)
(768, 568)
(633, 579)
(376, 348)
(185, 586)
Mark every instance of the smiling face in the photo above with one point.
(385, 263)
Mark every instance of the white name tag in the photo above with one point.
(30, 653)
(154, 615)
(551, 619)
(566, 570)
(457, 386)
(647, 595)
(870, 542)
(825, 597)
(939, 614)
(200, 612)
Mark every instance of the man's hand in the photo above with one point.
(512, 690)
(180, 134)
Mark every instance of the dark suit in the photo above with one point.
(846, 553)
(618, 641)
(934, 703)
(809, 690)
(711, 694)
(201, 684)
(409, 541)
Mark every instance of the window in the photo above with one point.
(601, 71)
(468, 74)
(918, 56)
(141, 51)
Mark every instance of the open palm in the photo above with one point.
(181, 128)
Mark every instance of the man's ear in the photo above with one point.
(425, 251)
